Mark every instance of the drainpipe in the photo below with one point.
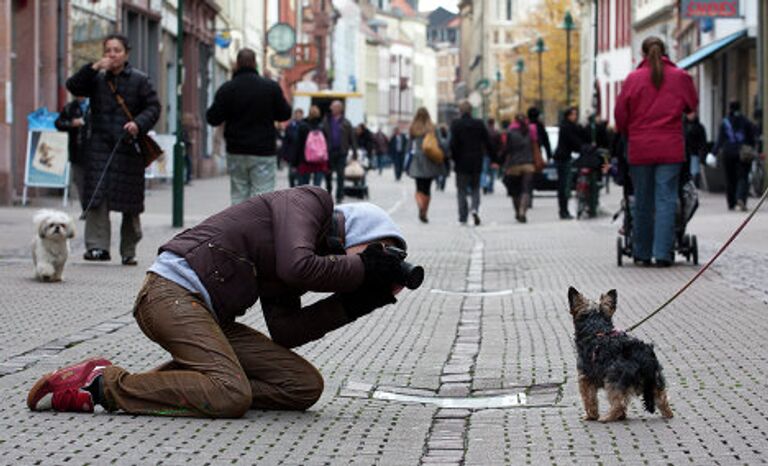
(762, 51)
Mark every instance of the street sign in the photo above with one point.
(282, 60)
(281, 37)
(482, 84)
(710, 8)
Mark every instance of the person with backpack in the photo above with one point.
(649, 112)
(428, 153)
(734, 143)
(518, 165)
(313, 149)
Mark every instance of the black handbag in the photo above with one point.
(149, 148)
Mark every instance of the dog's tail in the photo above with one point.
(652, 378)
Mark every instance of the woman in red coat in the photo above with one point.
(649, 112)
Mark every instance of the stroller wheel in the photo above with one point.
(685, 247)
(619, 251)
(695, 249)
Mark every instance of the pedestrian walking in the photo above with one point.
(736, 134)
(695, 144)
(272, 248)
(649, 111)
(423, 168)
(340, 137)
(490, 159)
(518, 165)
(469, 142)
(290, 150)
(398, 144)
(570, 140)
(73, 119)
(445, 136)
(313, 149)
(113, 133)
(366, 145)
(249, 105)
(534, 117)
(381, 145)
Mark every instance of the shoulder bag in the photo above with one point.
(149, 148)
(431, 148)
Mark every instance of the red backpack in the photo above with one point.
(315, 149)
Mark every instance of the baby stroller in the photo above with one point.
(687, 202)
(355, 184)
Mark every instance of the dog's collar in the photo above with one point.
(613, 333)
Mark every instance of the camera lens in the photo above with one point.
(413, 275)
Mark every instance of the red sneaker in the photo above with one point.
(71, 400)
(71, 378)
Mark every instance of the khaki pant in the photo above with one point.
(216, 371)
(250, 175)
(98, 230)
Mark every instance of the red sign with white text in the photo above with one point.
(710, 8)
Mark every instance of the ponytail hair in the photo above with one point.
(653, 50)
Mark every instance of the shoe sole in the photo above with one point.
(43, 386)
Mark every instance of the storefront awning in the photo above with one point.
(710, 49)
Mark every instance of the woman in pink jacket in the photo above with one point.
(649, 112)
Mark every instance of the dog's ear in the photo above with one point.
(41, 227)
(608, 303)
(575, 299)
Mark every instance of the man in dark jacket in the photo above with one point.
(695, 145)
(72, 119)
(735, 131)
(290, 149)
(249, 105)
(340, 137)
(570, 140)
(469, 142)
(398, 144)
(272, 248)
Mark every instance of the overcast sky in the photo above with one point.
(429, 5)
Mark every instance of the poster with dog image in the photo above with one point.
(47, 157)
(51, 154)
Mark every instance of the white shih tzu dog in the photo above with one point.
(50, 246)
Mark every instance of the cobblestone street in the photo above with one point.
(491, 322)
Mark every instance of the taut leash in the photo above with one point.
(706, 266)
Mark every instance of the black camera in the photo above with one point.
(411, 276)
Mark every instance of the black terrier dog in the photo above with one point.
(608, 358)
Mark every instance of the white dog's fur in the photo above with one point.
(50, 245)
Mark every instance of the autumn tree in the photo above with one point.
(545, 21)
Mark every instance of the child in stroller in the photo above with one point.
(687, 202)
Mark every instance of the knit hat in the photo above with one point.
(364, 222)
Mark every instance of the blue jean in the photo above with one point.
(654, 211)
(316, 178)
(488, 176)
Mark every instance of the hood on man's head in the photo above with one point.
(364, 222)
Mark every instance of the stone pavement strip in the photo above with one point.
(490, 322)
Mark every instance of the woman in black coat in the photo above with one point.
(570, 139)
(122, 188)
